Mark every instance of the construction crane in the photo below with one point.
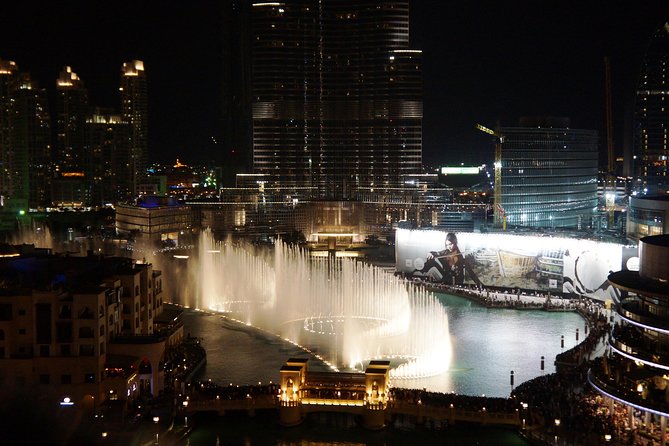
(500, 215)
(610, 177)
(611, 165)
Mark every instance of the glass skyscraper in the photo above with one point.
(24, 140)
(651, 114)
(135, 111)
(336, 95)
(549, 173)
(72, 111)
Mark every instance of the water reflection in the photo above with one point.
(487, 344)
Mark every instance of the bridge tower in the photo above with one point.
(292, 374)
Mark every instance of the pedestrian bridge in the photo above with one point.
(360, 394)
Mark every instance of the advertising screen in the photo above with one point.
(514, 261)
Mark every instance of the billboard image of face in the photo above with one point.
(513, 261)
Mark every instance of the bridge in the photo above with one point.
(366, 395)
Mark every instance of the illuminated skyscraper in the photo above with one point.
(72, 111)
(31, 139)
(651, 115)
(108, 160)
(8, 73)
(134, 111)
(549, 173)
(24, 140)
(336, 95)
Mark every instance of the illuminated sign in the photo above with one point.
(564, 265)
(460, 170)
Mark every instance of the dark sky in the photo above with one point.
(483, 61)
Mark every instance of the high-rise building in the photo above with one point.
(8, 74)
(31, 140)
(24, 140)
(108, 163)
(134, 111)
(651, 114)
(72, 111)
(69, 183)
(235, 137)
(549, 173)
(336, 95)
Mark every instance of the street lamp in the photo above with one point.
(524, 406)
(156, 420)
(557, 427)
(185, 404)
(607, 438)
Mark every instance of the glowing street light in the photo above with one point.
(156, 420)
(557, 427)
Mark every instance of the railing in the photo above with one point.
(221, 405)
(619, 392)
(421, 411)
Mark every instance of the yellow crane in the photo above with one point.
(610, 177)
(500, 215)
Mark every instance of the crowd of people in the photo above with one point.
(459, 402)
(205, 390)
(182, 361)
(584, 416)
(599, 328)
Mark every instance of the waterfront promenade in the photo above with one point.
(532, 409)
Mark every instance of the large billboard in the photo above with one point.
(515, 261)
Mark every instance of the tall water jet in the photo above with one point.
(348, 311)
(34, 234)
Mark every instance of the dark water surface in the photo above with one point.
(487, 344)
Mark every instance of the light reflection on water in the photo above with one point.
(488, 343)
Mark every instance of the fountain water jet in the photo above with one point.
(348, 311)
(33, 234)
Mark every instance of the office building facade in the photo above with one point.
(651, 115)
(135, 111)
(108, 159)
(336, 95)
(549, 174)
(72, 111)
(24, 140)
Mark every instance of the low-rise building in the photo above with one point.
(81, 329)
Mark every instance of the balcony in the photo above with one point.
(636, 310)
(634, 388)
(629, 341)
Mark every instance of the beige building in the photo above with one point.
(154, 220)
(80, 330)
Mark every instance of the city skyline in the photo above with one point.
(481, 63)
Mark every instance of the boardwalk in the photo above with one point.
(418, 412)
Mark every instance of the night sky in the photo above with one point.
(483, 61)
